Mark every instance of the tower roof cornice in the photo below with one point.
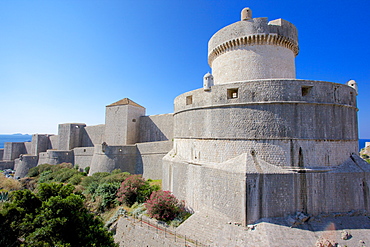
(256, 31)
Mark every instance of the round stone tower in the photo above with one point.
(255, 141)
(253, 49)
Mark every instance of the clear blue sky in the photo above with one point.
(64, 61)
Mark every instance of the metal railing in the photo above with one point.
(166, 232)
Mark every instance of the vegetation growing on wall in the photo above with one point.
(52, 207)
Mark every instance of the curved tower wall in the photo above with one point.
(259, 143)
(253, 49)
(286, 122)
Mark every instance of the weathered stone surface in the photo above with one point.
(345, 235)
(122, 122)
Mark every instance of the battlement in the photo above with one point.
(254, 32)
(254, 43)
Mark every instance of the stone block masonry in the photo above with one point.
(70, 135)
(156, 128)
(12, 150)
(253, 143)
(260, 143)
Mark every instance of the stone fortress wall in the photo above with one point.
(254, 142)
(136, 143)
(276, 117)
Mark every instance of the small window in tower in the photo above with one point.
(306, 90)
(351, 98)
(134, 120)
(189, 100)
(232, 93)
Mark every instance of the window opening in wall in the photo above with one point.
(306, 90)
(351, 98)
(189, 100)
(336, 95)
(232, 93)
(134, 120)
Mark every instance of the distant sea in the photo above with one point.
(361, 142)
(14, 138)
(28, 138)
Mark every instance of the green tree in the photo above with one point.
(54, 216)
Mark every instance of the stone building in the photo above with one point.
(254, 142)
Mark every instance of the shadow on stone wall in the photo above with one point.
(150, 131)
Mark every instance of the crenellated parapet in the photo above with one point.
(253, 48)
(253, 39)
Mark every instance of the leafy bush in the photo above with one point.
(134, 189)
(162, 205)
(76, 178)
(95, 178)
(115, 177)
(107, 192)
(64, 174)
(38, 170)
(46, 176)
(87, 169)
(54, 216)
(61, 175)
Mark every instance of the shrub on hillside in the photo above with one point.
(9, 184)
(134, 189)
(107, 192)
(61, 175)
(76, 178)
(36, 171)
(95, 178)
(115, 177)
(53, 216)
(162, 205)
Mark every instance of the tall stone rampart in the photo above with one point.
(93, 135)
(12, 150)
(107, 158)
(24, 164)
(55, 157)
(54, 141)
(149, 158)
(83, 156)
(70, 135)
(40, 143)
(156, 128)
